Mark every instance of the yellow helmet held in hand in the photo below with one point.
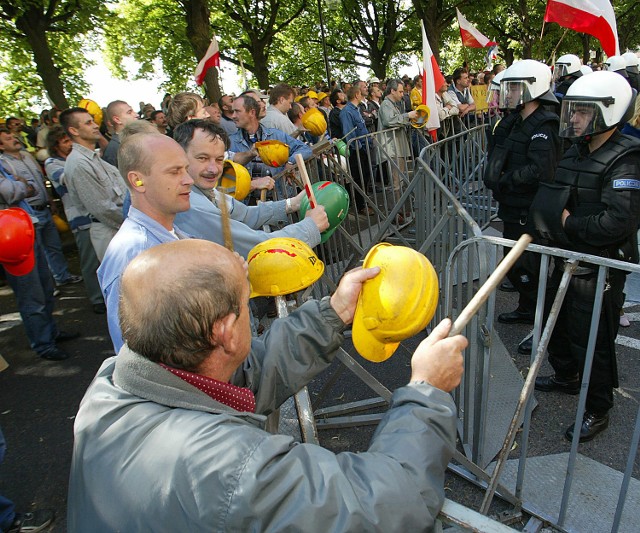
(395, 305)
(422, 118)
(273, 153)
(314, 121)
(93, 109)
(235, 180)
(282, 266)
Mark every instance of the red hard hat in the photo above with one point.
(17, 236)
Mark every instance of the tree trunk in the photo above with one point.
(36, 36)
(586, 50)
(260, 60)
(198, 33)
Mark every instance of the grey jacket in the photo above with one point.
(395, 142)
(152, 453)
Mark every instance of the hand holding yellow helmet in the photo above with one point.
(396, 304)
(273, 153)
(423, 113)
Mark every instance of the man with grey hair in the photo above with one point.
(118, 115)
(182, 409)
(155, 170)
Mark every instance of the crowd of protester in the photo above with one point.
(129, 181)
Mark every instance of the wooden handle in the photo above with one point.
(226, 222)
(490, 285)
(306, 182)
(263, 195)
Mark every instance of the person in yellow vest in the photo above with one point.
(416, 92)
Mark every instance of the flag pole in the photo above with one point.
(553, 53)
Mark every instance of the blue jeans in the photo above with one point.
(50, 239)
(34, 293)
(7, 508)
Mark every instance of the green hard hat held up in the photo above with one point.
(335, 200)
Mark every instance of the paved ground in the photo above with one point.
(39, 399)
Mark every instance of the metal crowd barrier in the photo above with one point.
(494, 402)
(459, 161)
(442, 195)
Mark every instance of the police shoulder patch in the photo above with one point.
(540, 136)
(626, 184)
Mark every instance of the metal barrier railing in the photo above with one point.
(448, 207)
(468, 268)
(459, 161)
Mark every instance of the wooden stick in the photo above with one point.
(306, 182)
(226, 222)
(490, 285)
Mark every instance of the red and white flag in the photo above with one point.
(432, 80)
(210, 59)
(595, 17)
(470, 35)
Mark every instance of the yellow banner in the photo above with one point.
(479, 95)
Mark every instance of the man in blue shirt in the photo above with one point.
(353, 127)
(154, 167)
(246, 113)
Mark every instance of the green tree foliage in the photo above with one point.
(250, 28)
(48, 38)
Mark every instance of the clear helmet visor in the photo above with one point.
(560, 71)
(493, 93)
(514, 93)
(580, 118)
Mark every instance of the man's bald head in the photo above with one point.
(172, 295)
(137, 152)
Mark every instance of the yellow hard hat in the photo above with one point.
(313, 120)
(61, 223)
(422, 118)
(312, 94)
(235, 180)
(273, 153)
(282, 266)
(322, 96)
(395, 305)
(93, 109)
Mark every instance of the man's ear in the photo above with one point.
(223, 332)
(136, 180)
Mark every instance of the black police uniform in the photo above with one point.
(522, 153)
(601, 191)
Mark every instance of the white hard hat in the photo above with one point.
(586, 69)
(602, 99)
(566, 65)
(631, 59)
(615, 64)
(524, 82)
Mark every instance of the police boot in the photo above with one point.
(592, 424)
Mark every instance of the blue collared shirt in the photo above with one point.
(138, 233)
(240, 144)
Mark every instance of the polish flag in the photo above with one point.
(470, 35)
(595, 17)
(432, 80)
(210, 59)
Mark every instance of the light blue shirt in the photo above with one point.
(203, 220)
(138, 233)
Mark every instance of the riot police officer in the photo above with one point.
(593, 207)
(524, 150)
